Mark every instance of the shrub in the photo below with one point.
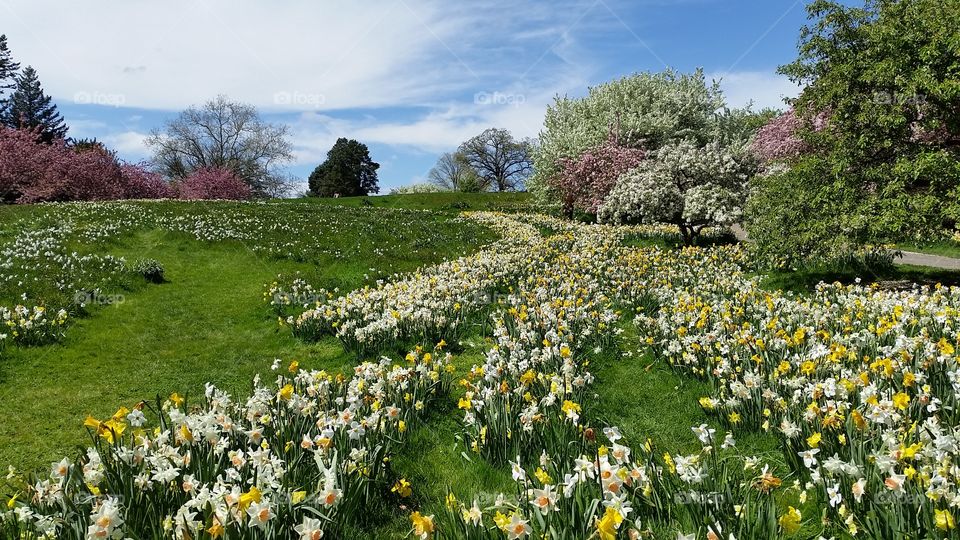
(141, 183)
(33, 171)
(813, 212)
(150, 269)
(422, 187)
(83, 174)
(212, 183)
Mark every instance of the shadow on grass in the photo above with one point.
(897, 277)
(637, 240)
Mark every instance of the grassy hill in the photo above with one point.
(447, 202)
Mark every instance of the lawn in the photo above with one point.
(207, 322)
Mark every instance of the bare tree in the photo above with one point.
(452, 172)
(224, 134)
(502, 162)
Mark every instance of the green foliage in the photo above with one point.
(887, 76)
(348, 171)
(802, 212)
(8, 68)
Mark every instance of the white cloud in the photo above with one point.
(130, 144)
(322, 62)
(764, 89)
(167, 55)
(291, 55)
(439, 130)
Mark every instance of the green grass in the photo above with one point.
(448, 202)
(207, 323)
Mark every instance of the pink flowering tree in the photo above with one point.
(214, 183)
(779, 139)
(33, 171)
(584, 182)
(23, 161)
(142, 183)
(90, 174)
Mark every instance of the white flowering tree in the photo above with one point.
(647, 110)
(690, 185)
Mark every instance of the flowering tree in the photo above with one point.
(22, 161)
(212, 183)
(31, 171)
(584, 182)
(142, 183)
(91, 174)
(688, 185)
(647, 109)
(779, 139)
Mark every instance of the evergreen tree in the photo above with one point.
(8, 68)
(29, 107)
(348, 171)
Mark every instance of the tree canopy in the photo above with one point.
(29, 107)
(647, 110)
(223, 134)
(8, 68)
(501, 162)
(453, 173)
(348, 171)
(880, 130)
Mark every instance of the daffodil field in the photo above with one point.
(856, 387)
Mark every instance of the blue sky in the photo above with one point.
(411, 78)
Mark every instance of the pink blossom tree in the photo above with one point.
(23, 161)
(780, 139)
(214, 183)
(91, 174)
(33, 171)
(142, 183)
(584, 182)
